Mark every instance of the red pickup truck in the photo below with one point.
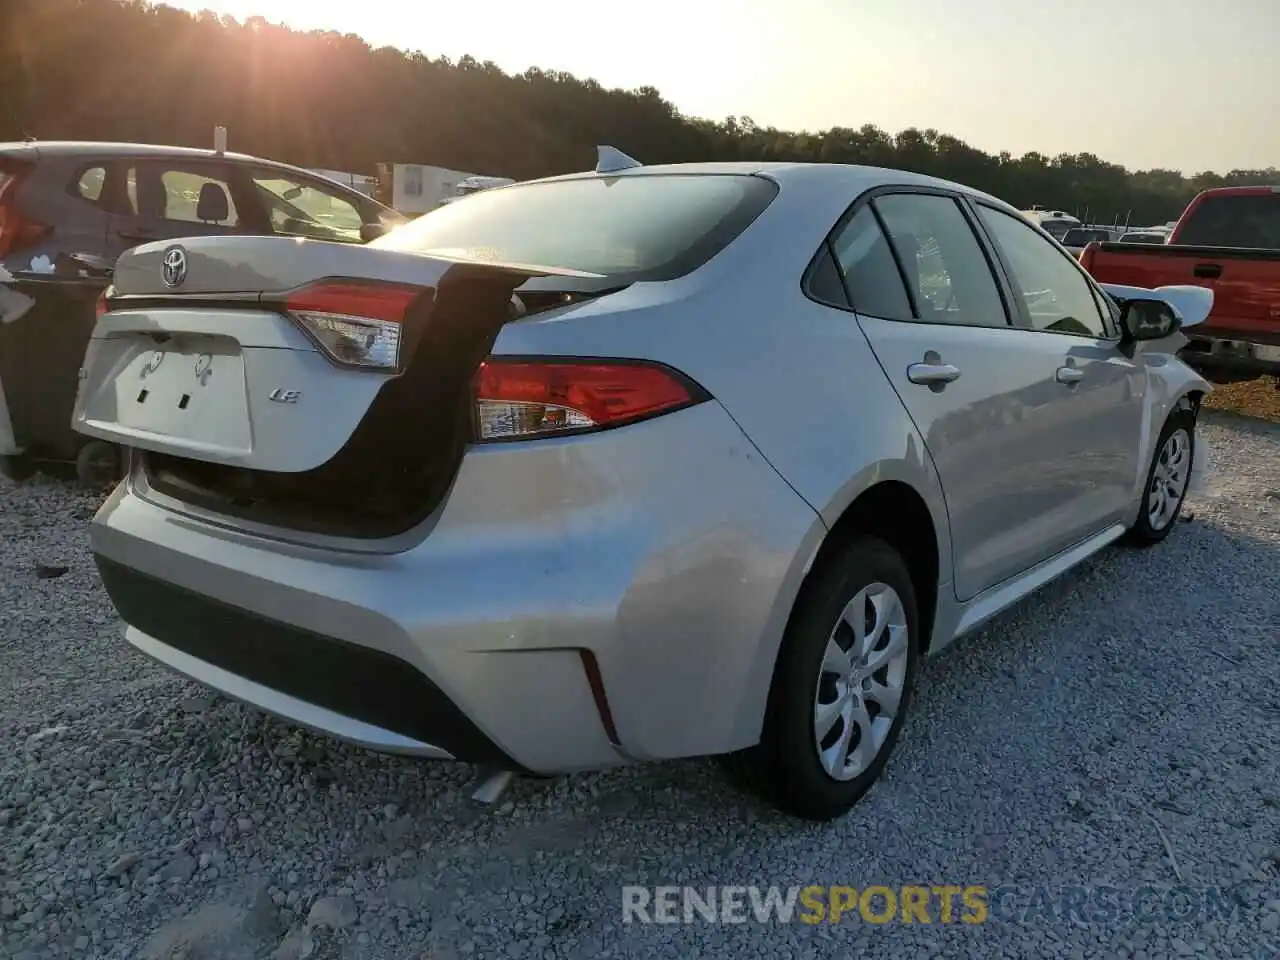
(1228, 240)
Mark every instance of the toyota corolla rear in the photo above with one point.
(372, 490)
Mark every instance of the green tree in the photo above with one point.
(128, 70)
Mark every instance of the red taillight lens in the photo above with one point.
(519, 399)
(101, 308)
(355, 323)
(16, 231)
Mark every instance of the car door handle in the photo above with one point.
(1070, 375)
(1207, 271)
(931, 374)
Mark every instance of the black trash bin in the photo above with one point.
(42, 348)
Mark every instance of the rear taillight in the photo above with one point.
(101, 308)
(527, 398)
(16, 230)
(356, 323)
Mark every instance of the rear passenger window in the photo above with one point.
(946, 269)
(91, 184)
(874, 283)
(184, 196)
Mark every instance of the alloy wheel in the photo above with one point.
(1169, 479)
(861, 681)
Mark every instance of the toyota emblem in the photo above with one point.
(173, 268)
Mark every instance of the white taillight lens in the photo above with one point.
(502, 420)
(356, 323)
(356, 340)
(528, 398)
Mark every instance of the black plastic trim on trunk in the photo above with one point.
(355, 681)
(398, 465)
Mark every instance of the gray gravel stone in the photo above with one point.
(1141, 685)
(123, 863)
(333, 912)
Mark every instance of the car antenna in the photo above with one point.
(611, 160)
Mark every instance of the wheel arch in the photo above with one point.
(895, 512)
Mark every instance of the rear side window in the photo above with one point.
(158, 191)
(91, 184)
(630, 228)
(870, 273)
(1234, 221)
(946, 269)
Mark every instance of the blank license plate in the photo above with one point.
(188, 394)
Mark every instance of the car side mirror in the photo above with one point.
(1148, 320)
(372, 231)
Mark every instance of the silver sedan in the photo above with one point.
(640, 463)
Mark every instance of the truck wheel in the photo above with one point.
(98, 465)
(16, 468)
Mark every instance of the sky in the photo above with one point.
(1180, 84)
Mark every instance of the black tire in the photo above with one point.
(98, 465)
(16, 467)
(1143, 533)
(785, 767)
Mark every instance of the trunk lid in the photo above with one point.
(240, 401)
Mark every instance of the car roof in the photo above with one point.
(844, 177)
(106, 150)
(96, 148)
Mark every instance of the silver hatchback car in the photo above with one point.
(640, 463)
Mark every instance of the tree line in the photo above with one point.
(129, 70)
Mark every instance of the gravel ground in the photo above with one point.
(1255, 398)
(1120, 728)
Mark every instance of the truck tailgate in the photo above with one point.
(1245, 282)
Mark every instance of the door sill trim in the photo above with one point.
(986, 605)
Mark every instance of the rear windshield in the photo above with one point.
(1239, 221)
(628, 228)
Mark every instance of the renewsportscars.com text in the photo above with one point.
(940, 903)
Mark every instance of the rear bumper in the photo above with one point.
(1249, 356)
(360, 694)
(576, 603)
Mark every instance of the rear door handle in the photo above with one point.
(1070, 375)
(932, 374)
(1207, 271)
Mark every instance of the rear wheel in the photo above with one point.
(1167, 480)
(98, 465)
(16, 468)
(842, 685)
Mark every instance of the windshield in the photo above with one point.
(1245, 220)
(1055, 228)
(629, 228)
(1080, 237)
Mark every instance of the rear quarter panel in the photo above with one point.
(797, 376)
